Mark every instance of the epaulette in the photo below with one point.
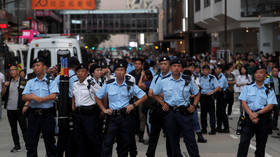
(166, 76)
(110, 81)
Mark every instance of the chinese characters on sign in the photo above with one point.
(64, 4)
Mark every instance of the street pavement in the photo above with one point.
(219, 145)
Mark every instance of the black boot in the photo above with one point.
(200, 138)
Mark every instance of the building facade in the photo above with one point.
(242, 24)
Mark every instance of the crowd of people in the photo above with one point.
(112, 100)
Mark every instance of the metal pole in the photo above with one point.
(18, 21)
(225, 40)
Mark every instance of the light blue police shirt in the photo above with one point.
(72, 78)
(156, 79)
(175, 92)
(206, 85)
(222, 81)
(118, 95)
(257, 98)
(40, 88)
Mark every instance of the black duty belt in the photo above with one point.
(180, 109)
(87, 109)
(119, 112)
(42, 111)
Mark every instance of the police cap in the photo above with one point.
(39, 59)
(164, 58)
(120, 65)
(220, 66)
(259, 67)
(206, 67)
(176, 61)
(82, 66)
(94, 66)
(104, 65)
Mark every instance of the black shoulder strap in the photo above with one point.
(110, 81)
(268, 89)
(90, 83)
(211, 77)
(166, 76)
(72, 76)
(251, 83)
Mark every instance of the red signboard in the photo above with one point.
(3, 26)
(63, 4)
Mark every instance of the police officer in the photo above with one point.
(121, 121)
(41, 91)
(64, 143)
(190, 72)
(96, 73)
(257, 101)
(208, 86)
(86, 114)
(274, 81)
(222, 118)
(177, 89)
(157, 114)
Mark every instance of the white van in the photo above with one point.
(16, 54)
(51, 49)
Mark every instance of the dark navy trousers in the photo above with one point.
(176, 123)
(157, 124)
(121, 128)
(87, 137)
(260, 130)
(207, 106)
(37, 124)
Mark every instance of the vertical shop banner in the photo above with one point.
(64, 4)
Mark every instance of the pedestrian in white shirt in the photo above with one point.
(242, 80)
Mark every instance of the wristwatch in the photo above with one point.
(194, 105)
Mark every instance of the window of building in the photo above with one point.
(216, 1)
(206, 3)
(197, 5)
